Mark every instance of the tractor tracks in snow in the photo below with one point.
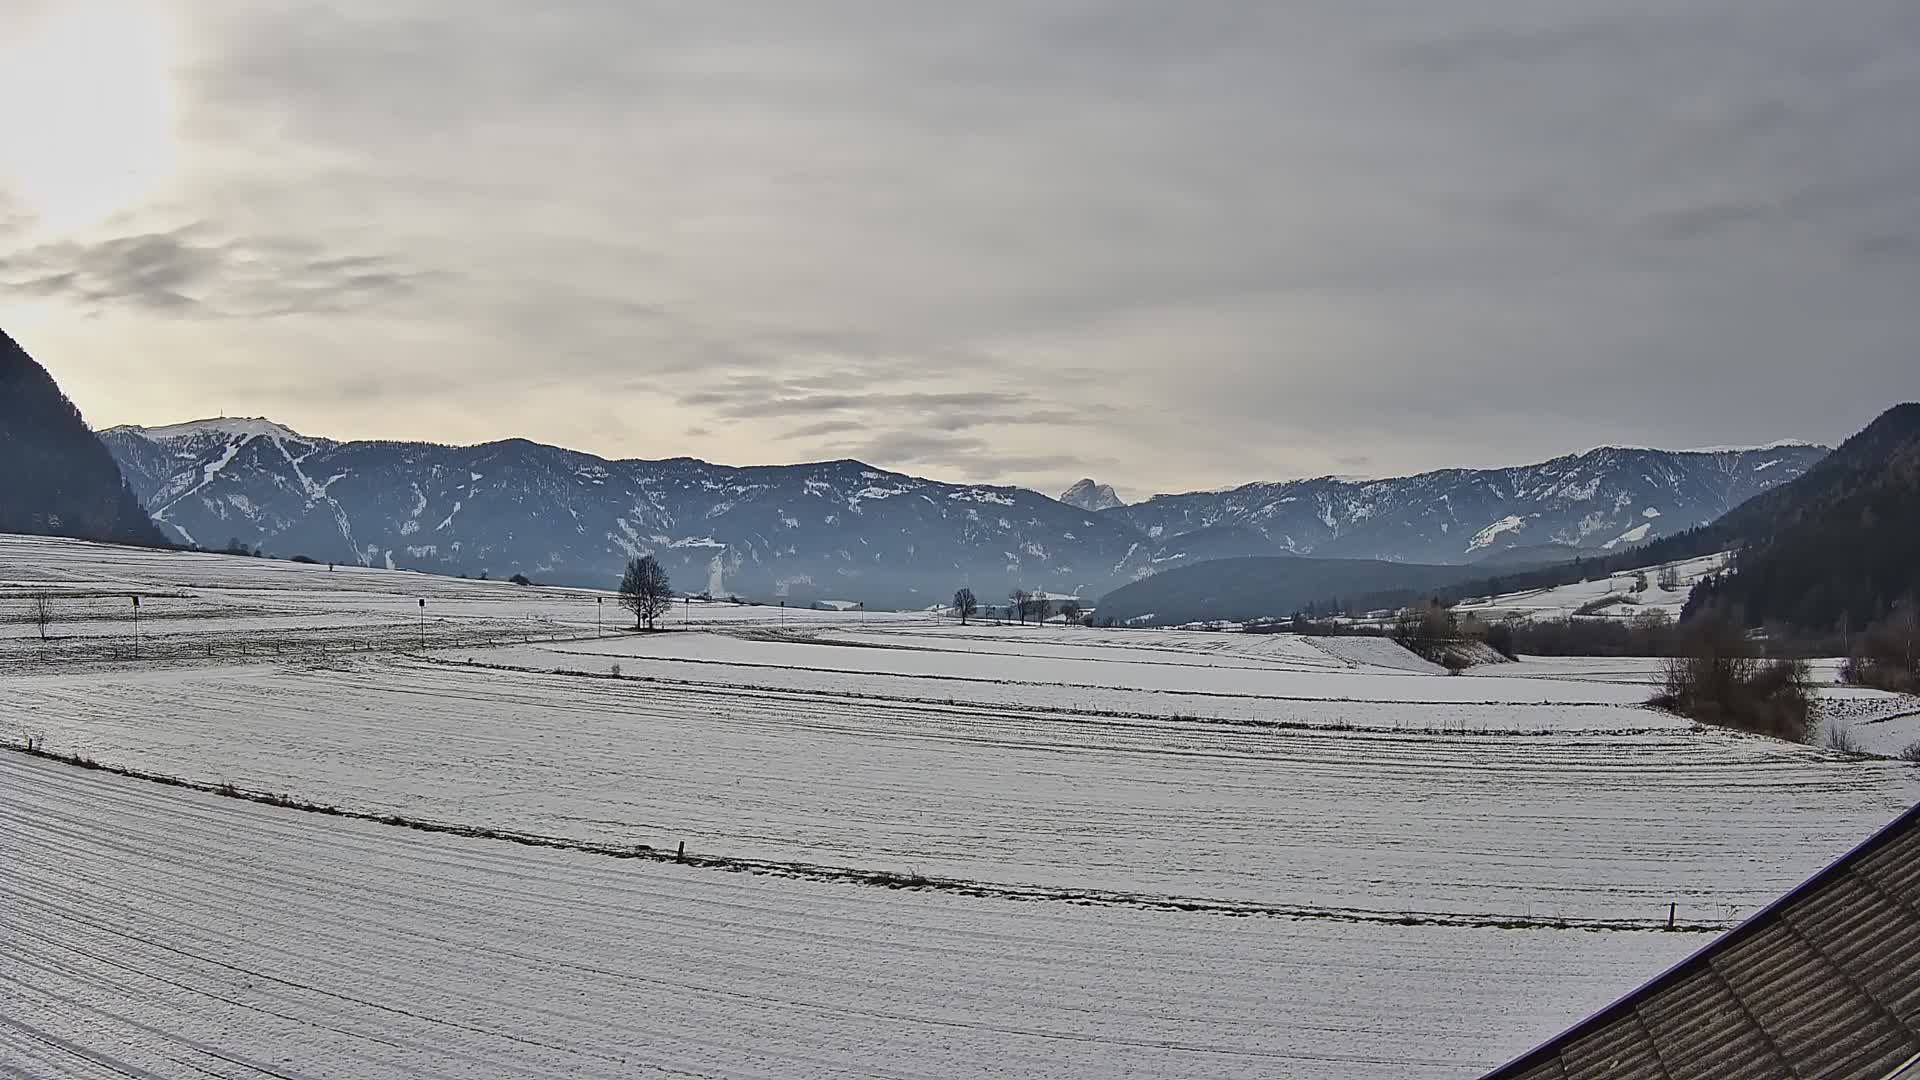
(890, 879)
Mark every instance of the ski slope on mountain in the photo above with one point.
(1611, 596)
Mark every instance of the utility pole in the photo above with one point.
(423, 624)
(599, 607)
(136, 626)
(686, 610)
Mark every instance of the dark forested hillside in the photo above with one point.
(1839, 547)
(56, 477)
(1837, 542)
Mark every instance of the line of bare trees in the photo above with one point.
(1022, 604)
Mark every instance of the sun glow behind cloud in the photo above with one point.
(87, 110)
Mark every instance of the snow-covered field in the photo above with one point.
(1430, 873)
(204, 606)
(1564, 601)
(150, 931)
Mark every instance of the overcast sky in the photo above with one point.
(1169, 245)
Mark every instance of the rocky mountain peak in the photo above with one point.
(1092, 497)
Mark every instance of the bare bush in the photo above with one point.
(1887, 656)
(1840, 737)
(1911, 753)
(1718, 678)
(41, 611)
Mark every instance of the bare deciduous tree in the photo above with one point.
(1037, 604)
(965, 605)
(42, 613)
(645, 591)
(1021, 602)
(1070, 610)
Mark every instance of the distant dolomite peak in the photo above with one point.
(1089, 496)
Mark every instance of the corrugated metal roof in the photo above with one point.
(1823, 983)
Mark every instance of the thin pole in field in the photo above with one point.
(136, 626)
(599, 606)
(423, 624)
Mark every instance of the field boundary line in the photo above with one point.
(1304, 726)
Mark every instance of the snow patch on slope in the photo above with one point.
(1485, 537)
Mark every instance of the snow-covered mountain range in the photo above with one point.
(846, 530)
(1604, 499)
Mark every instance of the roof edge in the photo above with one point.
(1748, 927)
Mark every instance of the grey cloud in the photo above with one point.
(908, 447)
(186, 272)
(970, 457)
(1543, 38)
(1218, 241)
(823, 427)
(990, 466)
(767, 403)
(1890, 247)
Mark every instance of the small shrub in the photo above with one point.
(1867, 671)
(307, 559)
(521, 579)
(1840, 737)
(41, 612)
(1911, 753)
(1887, 656)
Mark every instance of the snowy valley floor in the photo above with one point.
(152, 931)
(1129, 853)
